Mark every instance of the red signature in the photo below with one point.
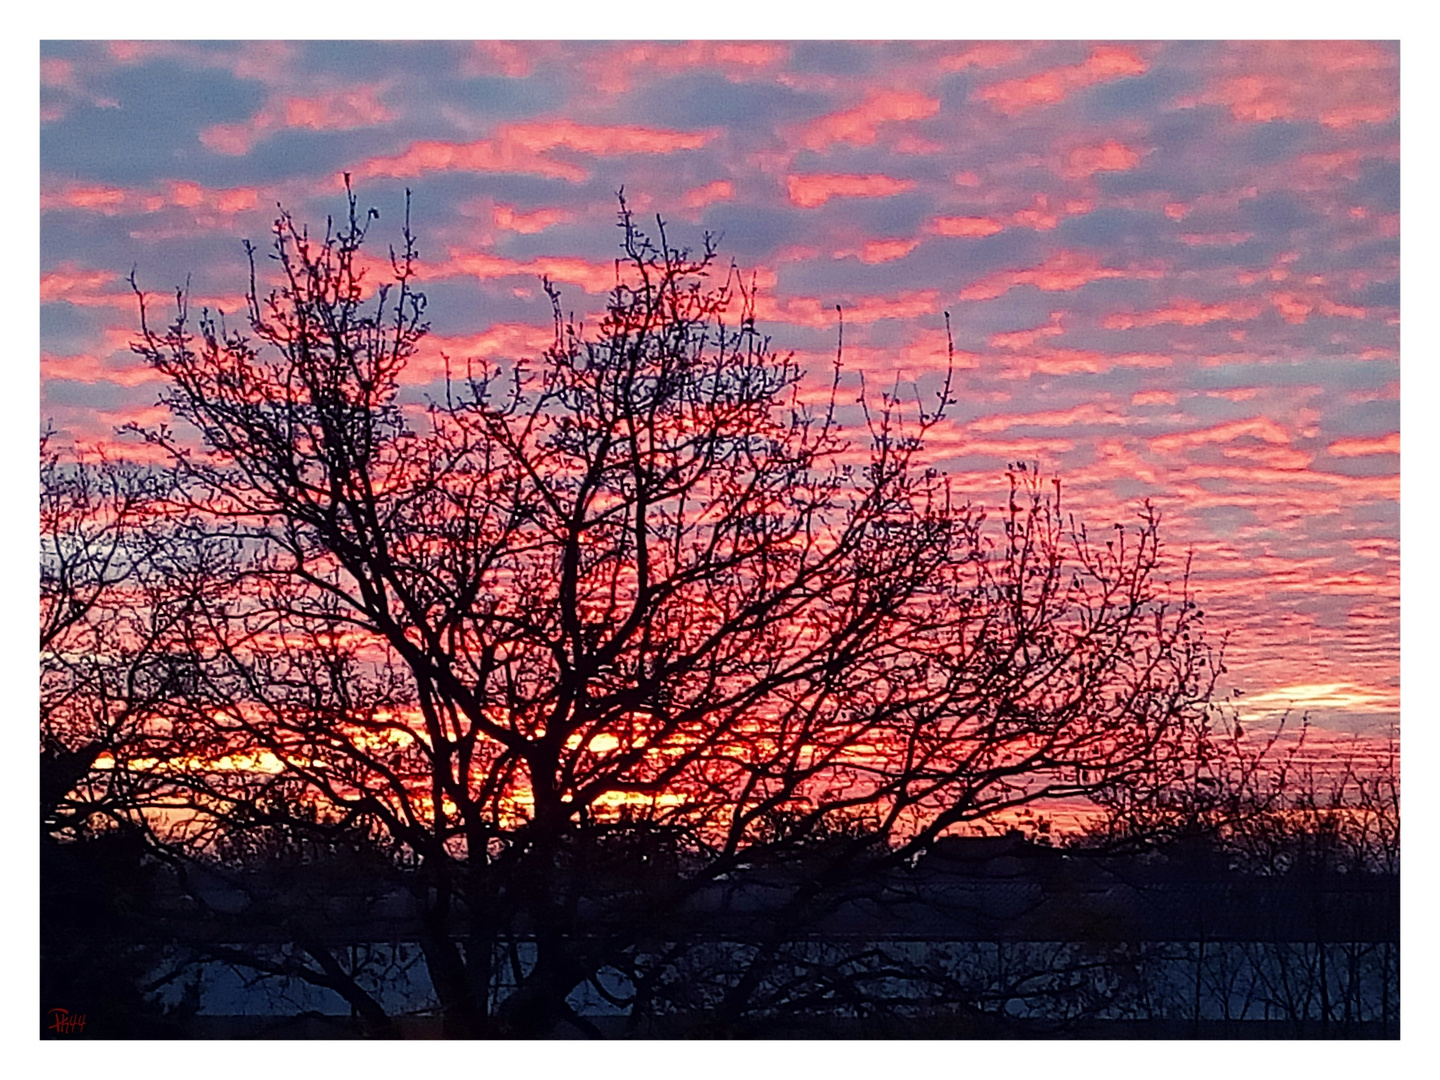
(64, 1022)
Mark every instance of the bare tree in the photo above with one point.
(96, 578)
(108, 596)
(595, 631)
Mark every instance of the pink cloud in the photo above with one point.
(1042, 216)
(522, 148)
(337, 110)
(1025, 339)
(987, 54)
(878, 251)
(484, 156)
(1152, 397)
(1386, 444)
(1228, 239)
(1332, 169)
(1292, 308)
(1223, 200)
(1022, 449)
(108, 358)
(1061, 272)
(65, 89)
(544, 135)
(964, 226)
(924, 352)
(1253, 97)
(1076, 361)
(234, 200)
(58, 73)
(501, 341)
(189, 195)
(1259, 427)
(1080, 415)
(1105, 62)
(616, 70)
(1109, 156)
(1309, 502)
(811, 311)
(860, 125)
(1339, 84)
(1185, 312)
(334, 110)
(72, 283)
(910, 143)
(137, 52)
(1344, 311)
(816, 189)
(509, 58)
(106, 200)
(533, 221)
(1037, 217)
(88, 368)
(1344, 116)
(715, 191)
(749, 54)
(272, 63)
(184, 194)
(1296, 306)
(590, 276)
(1270, 457)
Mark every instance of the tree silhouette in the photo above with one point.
(590, 633)
(107, 596)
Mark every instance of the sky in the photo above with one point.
(1171, 269)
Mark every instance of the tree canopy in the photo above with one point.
(584, 633)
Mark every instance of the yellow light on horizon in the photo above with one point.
(1335, 695)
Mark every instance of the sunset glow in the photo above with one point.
(717, 539)
(1171, 269)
